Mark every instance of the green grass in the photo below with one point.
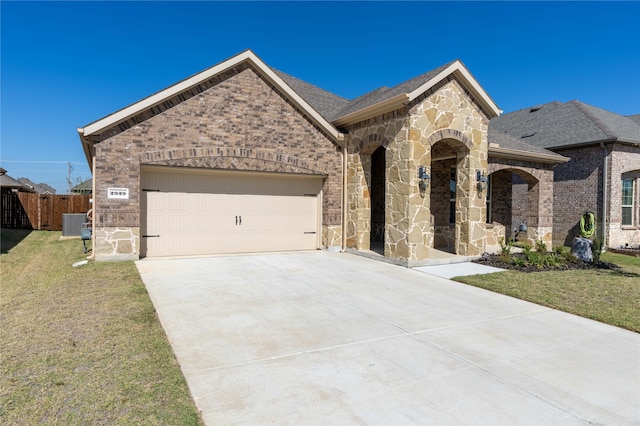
(609, 296)
(82, 345)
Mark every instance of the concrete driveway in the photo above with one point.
(322, 338)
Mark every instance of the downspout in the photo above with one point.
(605, 178)
(344, 194)
(93, 206)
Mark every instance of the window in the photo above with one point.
(452, 196)
(489, 199)
(627, 201)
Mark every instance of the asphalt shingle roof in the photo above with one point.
(385, 93)
(326, 103)
(555, 125)
(332, 106)
(504, 140)
(8, 181)
(635, 118)
(40, 188)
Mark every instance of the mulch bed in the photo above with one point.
(495, 261)
(627, 251)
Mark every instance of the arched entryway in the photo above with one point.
(448, 188)
(378, 193)
(512, 200)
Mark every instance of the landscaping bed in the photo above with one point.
(518, 262)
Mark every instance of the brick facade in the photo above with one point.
(624, 164)
(523, 190)
(577, 189)
(239, 122)
(238, 118)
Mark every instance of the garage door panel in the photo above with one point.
(239, 214)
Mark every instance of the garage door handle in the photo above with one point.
(238, 220)
(151, 236)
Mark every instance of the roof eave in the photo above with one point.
(387, 105)
(590, 143)
(629, 142)
(247, 56)
(87, 147)
(512, 154)
(470, 83)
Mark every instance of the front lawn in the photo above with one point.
(82, 345)
(611, 296)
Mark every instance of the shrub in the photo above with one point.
(541, 247)
(560, 250)
(505, 251)
(597, 250)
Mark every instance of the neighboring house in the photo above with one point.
(40, 188)
(245, 158)
(603, 175)
(84, 188)
(10, 184)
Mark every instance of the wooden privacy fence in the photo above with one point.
(38, 211)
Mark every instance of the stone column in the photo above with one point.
(398, 188)
(470, 205)
(540, 210)
(358, 202)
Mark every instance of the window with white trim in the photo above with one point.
(628, 201)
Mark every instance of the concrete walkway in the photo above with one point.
(320, 338)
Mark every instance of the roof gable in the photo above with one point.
(386, 99)
(159, 100)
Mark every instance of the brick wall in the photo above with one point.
(502, 200)
(624, 164)
(577, 189)
(238, 121)
(523, 190)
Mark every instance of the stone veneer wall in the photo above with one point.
(624, 164)
(496, 235)
(117, 243)
(233, 121)
(445, 113)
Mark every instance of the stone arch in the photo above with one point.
(519, 199)
(450, 134)
(231, 159)
(529, 174)
(368, 145)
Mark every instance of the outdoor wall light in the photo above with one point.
(482, 181)
(424, 179)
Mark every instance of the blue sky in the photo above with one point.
(67, 64)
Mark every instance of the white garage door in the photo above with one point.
(196, 212)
